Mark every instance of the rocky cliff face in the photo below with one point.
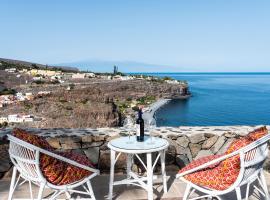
(89, 104)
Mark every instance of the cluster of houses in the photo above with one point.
(17, 118)
(11, 99)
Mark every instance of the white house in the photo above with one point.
(20, 96)
(15, 119)
(11, 70)
(28, 118)
(44, 92)
(3, 119)
(172, 81)
(90, 75)
(78, 76)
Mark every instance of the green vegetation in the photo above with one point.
(39, 82)
(146, 100)
(4, 124)
(7, 91)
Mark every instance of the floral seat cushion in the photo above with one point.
(55, 171)
(222, 175)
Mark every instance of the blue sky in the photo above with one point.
(175, 35)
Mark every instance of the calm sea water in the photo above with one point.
(219, 99)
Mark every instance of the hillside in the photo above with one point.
(10, 63)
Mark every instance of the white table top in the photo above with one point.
(123, 144)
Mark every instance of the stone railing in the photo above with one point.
(186, 144)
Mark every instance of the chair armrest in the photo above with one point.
(67, 160)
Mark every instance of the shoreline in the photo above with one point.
(149, 112)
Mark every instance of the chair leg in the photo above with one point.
(238, 193)
(164, 177)
(247, 191)
(91, 190)
(186, 195)
(12, 184)
(30, 190)
(267, 196)
(40, 192)
(111, 175)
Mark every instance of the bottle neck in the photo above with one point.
(140, 114)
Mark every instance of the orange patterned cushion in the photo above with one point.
(73, 173)
(55, 171)
(31, 138)
(220, 176)
(257, 133)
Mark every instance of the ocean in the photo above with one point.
(219, 99)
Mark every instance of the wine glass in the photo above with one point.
(151, 126)
(129, 126)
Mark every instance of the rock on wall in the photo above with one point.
(185, 144)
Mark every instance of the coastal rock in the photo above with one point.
(221, 140)
(203, 153)
(194, 148)
(209, 142)
(183, 141)
(197, 138)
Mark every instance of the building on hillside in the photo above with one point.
(172, 81)
(11, 70)
(3, 120)
(20, 96)
(78, 76)
(19, 118)
(23, 71)
(44, 92)
(15, 119)
(90, 75)
(37, 78)
(29, 96)
(122, 78)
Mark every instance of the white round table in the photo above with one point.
(133, 148)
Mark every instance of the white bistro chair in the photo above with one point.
(252, 158)
(25, 158)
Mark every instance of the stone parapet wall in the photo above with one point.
(186, 144)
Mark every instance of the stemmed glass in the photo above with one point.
(151, 126)
(129, 126)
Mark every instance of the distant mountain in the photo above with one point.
(123, 66)
(32, 64)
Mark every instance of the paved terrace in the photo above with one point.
(100, 184)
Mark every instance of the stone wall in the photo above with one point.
(186, 144)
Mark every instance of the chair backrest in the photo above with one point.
(25, 158)
(252, 159)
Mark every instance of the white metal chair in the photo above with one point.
(25, 158)
(252, 158)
